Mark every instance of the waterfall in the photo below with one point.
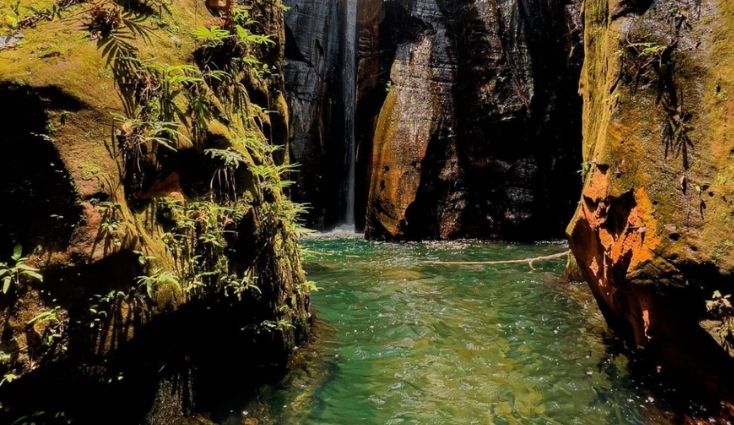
(349, 78)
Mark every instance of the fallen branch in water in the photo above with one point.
(529, 261)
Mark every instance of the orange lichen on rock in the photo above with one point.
(650, 233)
(408, 119)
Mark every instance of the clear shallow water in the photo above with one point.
(402, 341)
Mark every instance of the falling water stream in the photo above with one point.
(349, 78)
(400, 340)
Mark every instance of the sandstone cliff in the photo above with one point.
(155, 260)
(466, 116)
(652, 231)
(477, 135)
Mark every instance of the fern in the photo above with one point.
(211, 37)
(158, 279)
(228, 157)
(248, 38)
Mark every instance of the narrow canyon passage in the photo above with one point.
(168, 166)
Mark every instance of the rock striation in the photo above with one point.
(490, 147)
(313, 75)
(466, 116)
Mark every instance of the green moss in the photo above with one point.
(58, 57)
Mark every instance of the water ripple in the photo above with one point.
(416, 343)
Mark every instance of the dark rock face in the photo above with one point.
(415, 140)
(477, 135)
(465, 117)
(314, 50)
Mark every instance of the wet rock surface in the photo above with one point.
(314, 57)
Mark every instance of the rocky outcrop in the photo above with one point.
(139, 182)
(651, 232)
(476, 135)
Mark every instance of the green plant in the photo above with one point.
(51, 333)
(137, 139)
(236, 286)
(271, 175)
(211, 37)
(109, 227)
(200, 107)
(586, 166)
(13, 274)
(8, 378)
(46, 316)
(280, 325)
(157, 280)
(172, 80)
(247, 37)
(13, 19)
(229, 161)
(720, 307)
(308, 287)
(99, 304)
(284, 210)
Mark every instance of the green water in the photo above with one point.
(402, 341)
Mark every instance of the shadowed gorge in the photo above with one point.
(262, 212)
(467, 118)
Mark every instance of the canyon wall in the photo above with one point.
(478, 135)
(466, 116)
(148, 257)
(652, 231)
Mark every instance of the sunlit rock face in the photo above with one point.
(477, 135)
(652, 230)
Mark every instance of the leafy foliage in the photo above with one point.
(157, 280)
(211, 37)
(229, 161)
(14, 274)
(46, 316)
(720, 307)
(167, 103)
